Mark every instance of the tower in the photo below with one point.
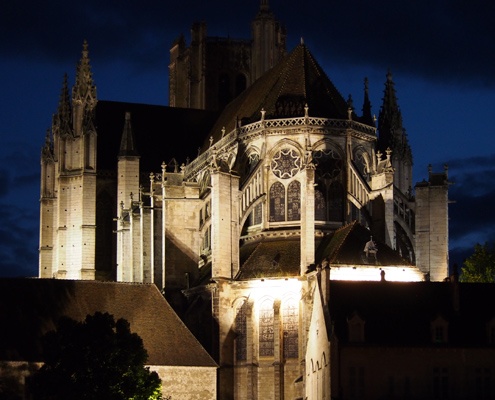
(212, 71)
(68, 239)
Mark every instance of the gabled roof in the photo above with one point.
(31, 307)
(346, 245)
(283, 92)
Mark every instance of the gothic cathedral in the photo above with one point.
(257, 185)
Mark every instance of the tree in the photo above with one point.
(95, 359)
(480, 266)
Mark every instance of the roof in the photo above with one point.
(270, 258)
(29, 308)
(160, 133)
(346, 245)
(283, 92)
(400, 313)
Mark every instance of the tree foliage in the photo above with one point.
(480, 266)
(98, 358)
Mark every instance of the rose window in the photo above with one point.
(286, 163)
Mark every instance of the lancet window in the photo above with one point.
(266, 333)
(241, 332)
(329, 193)
(290, 317)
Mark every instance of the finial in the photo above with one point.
(211, 140)
(223, 131)
(302, 41)
(263, 112)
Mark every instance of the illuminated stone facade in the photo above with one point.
(288, 180)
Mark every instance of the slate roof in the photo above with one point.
(30, 307)
(160, 132)
(400, 313)
(345, 247)
(281, 256)
(270, 258)
(282, 92)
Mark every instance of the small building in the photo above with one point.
(29, 308)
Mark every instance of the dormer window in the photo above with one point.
(439, 330)
(355, 328)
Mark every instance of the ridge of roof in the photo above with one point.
(283, 92)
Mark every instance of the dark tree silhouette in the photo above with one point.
(96, 359)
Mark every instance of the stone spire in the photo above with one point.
(62, 120)
(127, 146)
(367, 117)
(84, 94)
(392, 134)
(47, 149)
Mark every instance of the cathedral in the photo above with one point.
(258, 188)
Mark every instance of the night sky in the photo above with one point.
(441, 55)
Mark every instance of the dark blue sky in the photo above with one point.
(441, 54)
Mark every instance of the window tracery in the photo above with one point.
(266, 333)
(286, 163)
(241, 332)
(290, 316)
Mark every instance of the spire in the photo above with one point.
(367, 117)
(47, 149)
(127, 147)
(392, 133)
(84, 95)
(84, 90)
(63, 118)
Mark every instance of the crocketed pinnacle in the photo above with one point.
(62, 120)
(367, 117)
(84, 89)
(392, 134)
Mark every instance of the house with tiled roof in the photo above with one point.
(30, 308)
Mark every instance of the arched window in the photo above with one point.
(294, 201)
(329, 195)
(277, 202)
(241, 332)
(290, 317)
(266, 334)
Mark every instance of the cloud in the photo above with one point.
(472, 194)
(441, 41)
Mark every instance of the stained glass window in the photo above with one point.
(290, 316)
(294, 201)
(286, 163)
(266, 329)
(240, 328)
(277, 202)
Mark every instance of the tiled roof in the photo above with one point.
(400, 313)
(30, 307)
(161, 133)
(282, 92)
